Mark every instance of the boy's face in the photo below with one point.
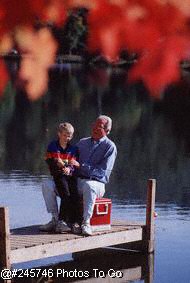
(64, 136)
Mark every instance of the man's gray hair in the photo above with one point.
(108, 125)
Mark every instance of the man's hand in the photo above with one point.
(66, 170)
(73, 162)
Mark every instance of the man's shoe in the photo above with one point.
(49, 227)
(76, 228)
(61, 227)
(86, 229)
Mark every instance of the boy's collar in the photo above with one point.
(67, 145)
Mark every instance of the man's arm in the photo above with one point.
(102, 170)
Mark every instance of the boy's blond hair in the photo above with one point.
(67, 127)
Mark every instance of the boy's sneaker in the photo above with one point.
(61, 227)
(49, 227)
(86, 229)
(76, 228)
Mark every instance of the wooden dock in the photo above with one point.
(28, 243)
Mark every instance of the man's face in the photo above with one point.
(98, 129)
(64, 136)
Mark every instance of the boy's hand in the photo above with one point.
(66, 170)
(60, 163)
(74, 163)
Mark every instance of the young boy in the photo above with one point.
(58, 157)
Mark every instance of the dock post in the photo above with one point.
(148, 268)
(149, 231)
(4, 238)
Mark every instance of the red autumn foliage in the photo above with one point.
(3, 77)
(164, 67)
(16, 13)
(157, 30)
(17, 19)
(105, 28)
(34, 65)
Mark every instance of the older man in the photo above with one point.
(96, 160)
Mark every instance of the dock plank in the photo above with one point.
(32, 234)
(28, 243)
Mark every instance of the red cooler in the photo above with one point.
(101, 218)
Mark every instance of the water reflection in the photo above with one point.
(104, 265)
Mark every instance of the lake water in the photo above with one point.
(153, 141)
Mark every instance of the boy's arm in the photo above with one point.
(60, 163)
(53, 160)
(53, 166)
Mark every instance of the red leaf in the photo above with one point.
(51, 10)
(104, 29)
(141, 36)
(160, 67)
(34, 66)
(4, 77)
(16, 13)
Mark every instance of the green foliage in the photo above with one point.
(72, 37)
